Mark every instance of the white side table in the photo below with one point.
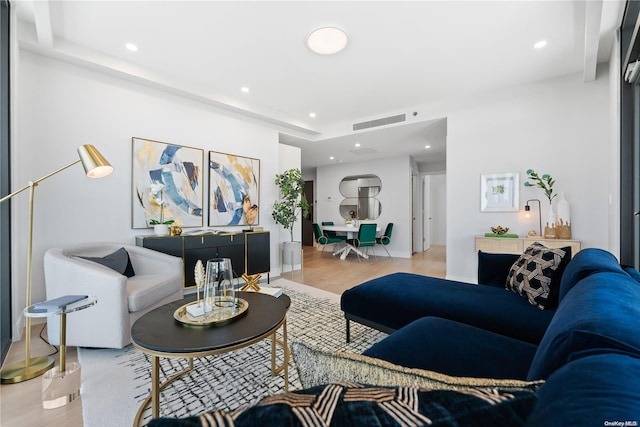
(61, 384)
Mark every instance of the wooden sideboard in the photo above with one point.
(249, 251)
(507, 245)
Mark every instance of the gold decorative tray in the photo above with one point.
(182, 316)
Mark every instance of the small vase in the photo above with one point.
(563, 222)
(161, 229)
(550, 226)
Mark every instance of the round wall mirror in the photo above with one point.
(359, 192)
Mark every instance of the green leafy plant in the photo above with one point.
(293, 203)
(545, 182)
(157, 192)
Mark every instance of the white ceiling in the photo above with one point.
(400, 55)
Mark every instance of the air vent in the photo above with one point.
(363, 151)
(380, 122)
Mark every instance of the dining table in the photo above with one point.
(351, 231)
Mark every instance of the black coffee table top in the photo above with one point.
(158, 331)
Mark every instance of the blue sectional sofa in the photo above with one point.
(587, 348)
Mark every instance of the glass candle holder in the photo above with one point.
(219, 290)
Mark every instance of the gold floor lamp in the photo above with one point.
(96, 166)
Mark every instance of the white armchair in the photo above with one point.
(121, 300)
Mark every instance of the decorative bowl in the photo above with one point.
(499, 229)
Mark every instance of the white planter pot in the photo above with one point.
(291, 253)
(161, 229)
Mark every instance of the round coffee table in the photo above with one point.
(158, 334)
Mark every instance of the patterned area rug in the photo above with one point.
(115, 382)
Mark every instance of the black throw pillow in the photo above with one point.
(118, 261)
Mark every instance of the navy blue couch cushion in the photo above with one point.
(589, 392)
(494, 268)
(601, 314)
(584, 263)
(455, 349)
(398, 299)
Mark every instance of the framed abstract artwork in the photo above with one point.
(234, 189)
(167, 184)
(499, 192)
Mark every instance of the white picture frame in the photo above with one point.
(500, 192)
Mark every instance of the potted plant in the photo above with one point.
(160, 227)
(292, 205)
(545, 182)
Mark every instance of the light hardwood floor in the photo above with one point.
(21, 404)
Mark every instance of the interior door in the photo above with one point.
(416, 213)
(307, 222)
(426, 212)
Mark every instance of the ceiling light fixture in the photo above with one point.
(327, 40)
(132, 47)
(540, 44)
(331, 158)
(427, 146)
(244, 89)
(312, 115)
(357, 144)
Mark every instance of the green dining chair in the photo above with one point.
(329, 233)
(324, 240)
(366, 239)
(385, 239)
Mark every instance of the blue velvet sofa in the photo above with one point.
(587, 348)
(391, 302)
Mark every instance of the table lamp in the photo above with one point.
(527, 209)
(95, 166)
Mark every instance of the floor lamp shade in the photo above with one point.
(95, 166)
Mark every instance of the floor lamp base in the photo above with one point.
(18, 372)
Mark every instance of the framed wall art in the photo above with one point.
(499, 192)
(234, 189)
(167, 184)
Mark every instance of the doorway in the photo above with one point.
(307, 221)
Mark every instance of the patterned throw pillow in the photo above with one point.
(351, 404)
(536, 274)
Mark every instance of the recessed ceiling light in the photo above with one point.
(331, 158)
(312, 115)
(357, 144)
(132, 47)
(427, 146)
(540, 44)
(244, 89)
(327, 40)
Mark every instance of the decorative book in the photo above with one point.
(56, 304)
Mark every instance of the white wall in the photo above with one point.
(60, 107)
(395, 197)
(559, 126)
(614, 149)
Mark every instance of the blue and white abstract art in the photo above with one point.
(179, 170)
(234, 189)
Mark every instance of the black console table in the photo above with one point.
(249, 251)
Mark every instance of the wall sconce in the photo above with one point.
(527, 209)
